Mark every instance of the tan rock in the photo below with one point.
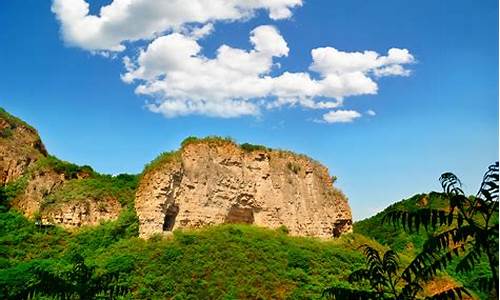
(77, 214)
(214, 182)
(20, 147)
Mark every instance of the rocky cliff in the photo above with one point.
(214, 181)
(32, 181)
(20, 147)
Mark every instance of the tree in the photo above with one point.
(469, 228)
(385, 281)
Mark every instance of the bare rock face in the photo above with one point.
(214, 182)
(20, 147)
(21, 152)
(38, 185)
(88, 212)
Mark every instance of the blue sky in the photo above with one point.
(442, 117)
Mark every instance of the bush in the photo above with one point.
(250, 147)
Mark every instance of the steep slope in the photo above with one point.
(53, 191)
(214, 181)
(20, 147)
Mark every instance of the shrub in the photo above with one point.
(250, 147)
(295, 168)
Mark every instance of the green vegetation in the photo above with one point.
(470, 229)
(160, 160)
(395, 238)
(69, 170)
(435, 228)
(209, 139)
(251, 147)
(14, 122)
(6, 132)
(98, 187)
(411, 243)
(295, 168)
(221, 262)
(386, 280)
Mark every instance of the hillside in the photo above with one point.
(411, 243)
(65, 227)
(221, 262)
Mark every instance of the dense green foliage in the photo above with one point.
(395, 238)
(468, 229)
(222, 262)
(97, 187)
(387, 280)
(412, 243)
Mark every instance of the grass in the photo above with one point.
(14, 122)
(98, 188)
(220, 262)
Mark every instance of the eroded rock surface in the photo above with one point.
(20, 147)
(218, 182)
(25, 163)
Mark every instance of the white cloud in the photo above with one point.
(132, 20)
(371, 113)
(172, 69)
(341, 116)
(238, 82)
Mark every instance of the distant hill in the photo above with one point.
(411, 243)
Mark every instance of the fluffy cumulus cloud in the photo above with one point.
(172, 69)
(132, 20)
(238, 82)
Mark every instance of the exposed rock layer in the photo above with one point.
(20, 147)
(219, 182)
(20, 150)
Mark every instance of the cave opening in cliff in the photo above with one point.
(170, 215)
(340, 227)
(241, 215)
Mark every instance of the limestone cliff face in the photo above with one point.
(23, 161)
(20, 147)
(87, 212)
(219, 182)
(42, 183)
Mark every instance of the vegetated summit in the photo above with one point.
(207, 181)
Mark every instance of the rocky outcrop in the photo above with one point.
(20, 147)
(216, 181)
(37, 185)
(88, 212)
(24, 162)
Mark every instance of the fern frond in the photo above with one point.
(451, 184)
(390, 261)
(351, 294)
(448, 238)
(359, 275)
(484, 283)
(452, 293)
(468, 262)
(414, 220)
